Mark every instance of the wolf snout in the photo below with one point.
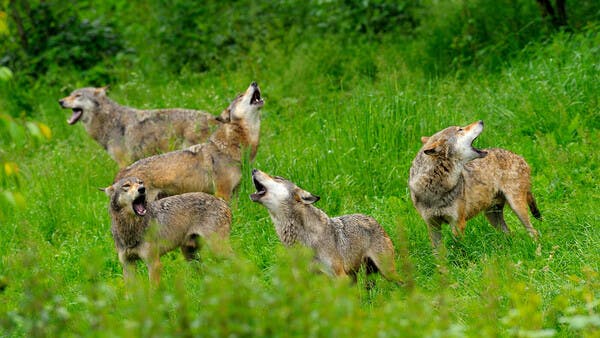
(254, 84)
(62, 103)
(142, 190)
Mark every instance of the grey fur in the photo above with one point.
(342, 244)
(129, 134)
(164, 225)
(451, 182)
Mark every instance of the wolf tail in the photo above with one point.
(533, 206)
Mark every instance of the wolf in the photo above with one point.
(214, 166)
(146, 230)
(342, 244)
(129, 134)
(450, 182)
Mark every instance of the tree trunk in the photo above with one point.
(16, 16)
(558, 17)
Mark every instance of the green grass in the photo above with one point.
(343, 123)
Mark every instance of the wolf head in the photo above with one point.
(84, 102)
(244, 107)
(455, 142)
(128, 194)
(278, 194)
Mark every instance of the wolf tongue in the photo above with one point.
(256, 196)
(75, 117)
(139, 208)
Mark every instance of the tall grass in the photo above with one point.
(343, 122)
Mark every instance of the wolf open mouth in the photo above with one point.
(77, 112)
(256, 99)
(139, 205)
(481, 153)
(260, 190)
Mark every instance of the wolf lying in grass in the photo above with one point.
(342, 244)
(129, 134)
(214, 166)
(146, 230)
(451, 182)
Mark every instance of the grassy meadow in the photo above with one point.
(343, 121)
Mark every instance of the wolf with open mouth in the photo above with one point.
(129, 134)
(213, 167)
(342, 244)
(451, 181)
(146, 230)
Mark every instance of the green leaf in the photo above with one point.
(5, 74)
(45, 130)
(3, 23)
(34, 130)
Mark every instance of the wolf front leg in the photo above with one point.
(227, 177)
(154, 267)
(128, 268)
(434, 228)
(149, 252)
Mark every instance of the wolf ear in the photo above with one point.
(433, 148)
(108, 190)
(424, 139)
(225, 116)
(305, 197)
(101, 90)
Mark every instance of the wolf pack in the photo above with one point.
(180, 168)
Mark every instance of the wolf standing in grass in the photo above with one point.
(129, 134)
(214, 166)
(146, 230)
(342, 244)
(451, 182)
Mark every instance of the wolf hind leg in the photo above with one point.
(495, 215)
(533, 206)
(190, 248)
(384, 263)
(518, 203)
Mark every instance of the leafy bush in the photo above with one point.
(49, 34)
(15, 135)
(201, 37)
(484, 34)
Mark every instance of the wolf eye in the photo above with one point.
(459, 129)
(77, 95)
(126, 186)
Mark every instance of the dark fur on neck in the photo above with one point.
(127, 228)
(295, 224)
(105, 123)
(232, 138)
(442, 180)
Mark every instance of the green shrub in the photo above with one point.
(485, 34)
(207, 36)
(44, 35)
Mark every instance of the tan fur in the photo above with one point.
(212, 167)
(451, 182)
(164, 225)
(129, 134)
(342, 244)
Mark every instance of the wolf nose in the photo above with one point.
(61, 102)
(142, 190)
(254, 171)
(254, 84)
